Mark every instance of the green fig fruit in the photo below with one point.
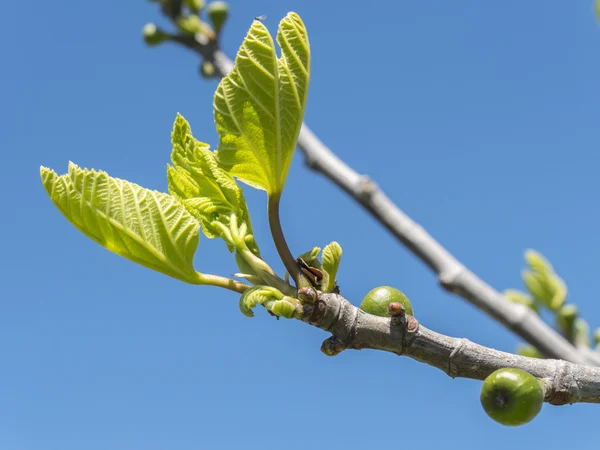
(207, 70)
(154, 35)
(512, 397)
(195, 5)
(376, 301)
(218, 12)
(192, 25)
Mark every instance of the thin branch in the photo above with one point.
(353, 328)
(452, 275)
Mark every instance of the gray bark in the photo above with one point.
(565, 382)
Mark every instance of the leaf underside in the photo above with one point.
(148, 227)
(259, 106)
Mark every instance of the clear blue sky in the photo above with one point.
(479, 118)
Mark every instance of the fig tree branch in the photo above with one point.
(452, 275)
(353, 328)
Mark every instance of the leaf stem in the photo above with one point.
(281, 244)
(222, 282)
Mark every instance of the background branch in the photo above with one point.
(452, 275)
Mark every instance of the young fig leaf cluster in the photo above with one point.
(548, 292)
(258, 112)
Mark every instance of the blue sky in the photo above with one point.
(479, 118)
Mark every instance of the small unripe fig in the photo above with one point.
(154, 35)
(512, 397)
(376, 301)
(192, 25)
(195, 5)
(218, 12)
(207, 70)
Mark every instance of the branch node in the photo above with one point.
(307, 295)
(447, 278)
(412, 324)
(562, 385)
(452, 369)
(311, 162)
(366, 187)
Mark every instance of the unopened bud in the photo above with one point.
(396, 309)
(307, 295)
(192, 25)
(218, 12)
(154, 35)
(195, 5)
(207, 70)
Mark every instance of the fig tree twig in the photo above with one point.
(353, 328)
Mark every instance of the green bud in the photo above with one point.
(207, 70)
(534, 285)
(195, 5)
(192, 25)
(332, 346)
(546, 287)
(565, 320)
(154, 35)
(218, 12)
(597, 336)
(582, 331)
(542, 282)
(258, 295)
(529, 351)
(512, 397)
(376, 301)
(287, 307)
(312, 256)
(521, 298)
(559, 292)
(537, 262)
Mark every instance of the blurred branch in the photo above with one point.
(353, 328)
(452, 275)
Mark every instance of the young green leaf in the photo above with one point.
(207, 191)
(272, 299)
(332, 254)
(148, 227)
(522, 298)
(259, 106)
(311, 257)
(537, 262)
(542, 282)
